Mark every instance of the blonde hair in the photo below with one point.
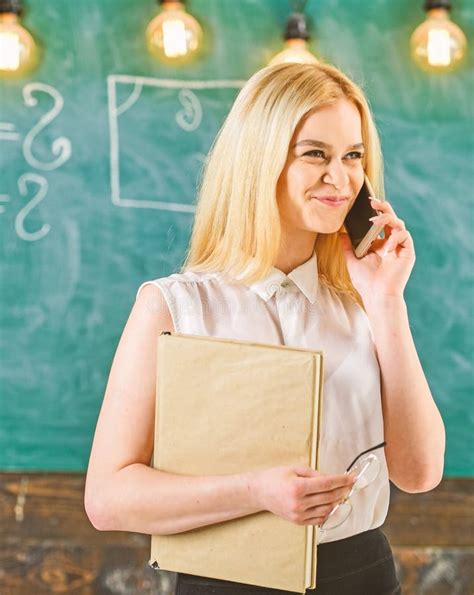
(237, 220)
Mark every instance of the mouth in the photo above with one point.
(332, 201)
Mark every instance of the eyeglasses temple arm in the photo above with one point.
(365, 452)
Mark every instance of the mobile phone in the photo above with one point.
(362, 232)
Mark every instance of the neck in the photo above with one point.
(295, 249)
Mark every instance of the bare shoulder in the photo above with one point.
(150, 306)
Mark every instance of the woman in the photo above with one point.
(269, 261)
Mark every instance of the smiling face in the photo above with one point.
(316, 170)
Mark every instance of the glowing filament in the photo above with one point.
(174, 38)
(439, 53)
(9, 51)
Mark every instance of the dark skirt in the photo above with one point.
(359, 565)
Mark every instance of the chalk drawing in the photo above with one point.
(189, 118)
(42, 184)
(134, 95)
(3, 198)
(61, 146)
(7, 131)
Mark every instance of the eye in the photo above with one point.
(311, 153)
(318, 153)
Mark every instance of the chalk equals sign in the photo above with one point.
(3, 198)
(7, 131)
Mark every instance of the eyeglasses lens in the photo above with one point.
(366, 470)
(337, 516)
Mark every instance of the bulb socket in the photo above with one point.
(296, 27)
(429, 4)
(13, 6)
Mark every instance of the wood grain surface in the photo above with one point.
(49, 546)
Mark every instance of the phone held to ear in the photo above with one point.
(362, 232)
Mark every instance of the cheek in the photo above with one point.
(300, 178)
(357, 180)
(359, 174)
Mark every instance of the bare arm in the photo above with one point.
(122, 491)
(149, 501)
(413, 426)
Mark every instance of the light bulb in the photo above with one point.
(296, 36)
(173, 36)
(438, 44)
(18, 52)
(295, 50)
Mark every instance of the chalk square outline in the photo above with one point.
(139, 82)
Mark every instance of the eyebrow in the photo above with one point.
(319, 143)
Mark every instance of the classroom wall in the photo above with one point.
(100, 149)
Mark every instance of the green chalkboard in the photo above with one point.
(100, 152)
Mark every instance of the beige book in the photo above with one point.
(227, 406)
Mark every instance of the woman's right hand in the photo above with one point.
(300, 494)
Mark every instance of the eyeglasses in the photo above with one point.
(365, 467)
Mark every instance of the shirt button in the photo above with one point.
(285, 283)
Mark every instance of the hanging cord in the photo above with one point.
(296, 24)
(297, 5)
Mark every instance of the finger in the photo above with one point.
(388, 219)
(303, 471)
(313, 521)
(325, 483)
(333, 496)
(320, 512)
(399, 239)
(381, 205)
(389, 222)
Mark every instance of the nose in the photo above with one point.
(335, 174)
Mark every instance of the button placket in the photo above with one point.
(288, 305)
(284, 299)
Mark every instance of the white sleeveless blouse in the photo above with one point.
(299, 310)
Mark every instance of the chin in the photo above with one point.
(328, 227)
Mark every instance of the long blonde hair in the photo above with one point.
(237, 220)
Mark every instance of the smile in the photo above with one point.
(331, 202)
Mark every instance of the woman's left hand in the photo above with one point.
(387, 266)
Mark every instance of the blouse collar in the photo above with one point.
(304, 276)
